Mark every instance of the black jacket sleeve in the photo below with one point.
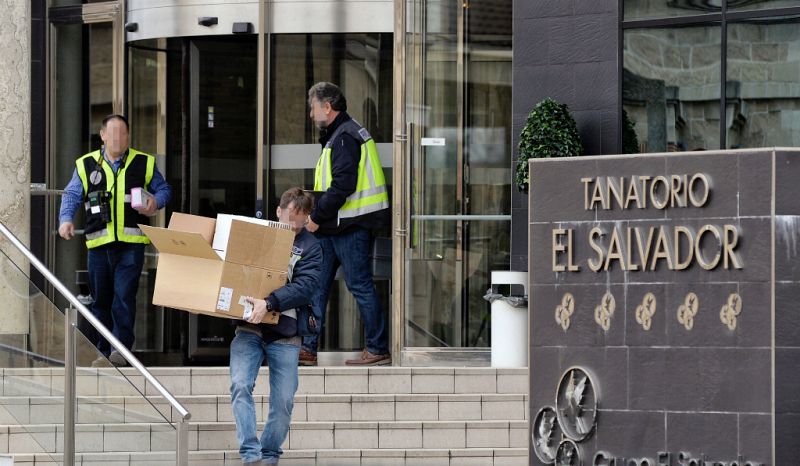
(305, 281)
(345, 156)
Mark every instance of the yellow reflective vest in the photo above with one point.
(371, 194)
(96, 174)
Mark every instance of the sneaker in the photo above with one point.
(369, 359)
(101, 361)
(117, 359)
(307, 358)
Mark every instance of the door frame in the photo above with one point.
(409, 96)
(113, 12)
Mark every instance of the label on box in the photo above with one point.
(248, 307)
(225, 298)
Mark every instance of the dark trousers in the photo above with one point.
(114, 272)
(353, 251)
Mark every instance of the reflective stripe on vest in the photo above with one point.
(96, 235)
(136, 232)
(370, 194)
(125, 234)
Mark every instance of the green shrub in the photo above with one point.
(550, 131)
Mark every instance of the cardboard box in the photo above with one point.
(191, 276)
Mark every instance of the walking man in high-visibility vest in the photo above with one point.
(354, 202)
(102, 182)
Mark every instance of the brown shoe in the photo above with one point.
(369, 359)
(306, 358)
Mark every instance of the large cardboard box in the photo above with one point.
(191, 276)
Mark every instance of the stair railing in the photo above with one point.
(70, 395)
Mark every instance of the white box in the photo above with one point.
(223, 230)
(139, 197)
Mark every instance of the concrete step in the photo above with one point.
(313, 380)
(364, 457)
(21, 410)
(112, 437)
(342, 415)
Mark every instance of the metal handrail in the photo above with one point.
(182, 430)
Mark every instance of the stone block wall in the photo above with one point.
(566, 50)
(15, 98)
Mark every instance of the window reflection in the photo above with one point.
(460, 99)
(763, 90)
(655, 9)
(651, 9)
(100, 73)
(735, 5)
(145, 70)
(361, 64)
(671, 87)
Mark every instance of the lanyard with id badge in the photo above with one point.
(100, 200)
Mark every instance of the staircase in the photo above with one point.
(342, 416)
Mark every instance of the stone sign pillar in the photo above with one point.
(665, 309)
(15, 96)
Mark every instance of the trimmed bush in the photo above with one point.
(550, 131)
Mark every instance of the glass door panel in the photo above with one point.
(361, 65)
(147, 93)
(71, 136)
(487, 140)
(84, 87)
(223, 95)
(458, 87)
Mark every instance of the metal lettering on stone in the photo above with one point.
(605, 311)
(546, 435)
(576, 404)
(688, 310)
(731, 310)
(565, 310)
(646, 310)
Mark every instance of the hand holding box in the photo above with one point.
(139, 197)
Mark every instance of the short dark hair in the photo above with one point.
(328, 92)
(303, 200)
(115, 116)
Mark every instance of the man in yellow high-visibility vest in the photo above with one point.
(103, 181)
(354, 202)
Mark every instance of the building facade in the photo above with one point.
(217, 91)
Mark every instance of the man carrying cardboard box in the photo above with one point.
(278, 343)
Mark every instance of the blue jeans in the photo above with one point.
(248, 351)
(353, 250)
(114, 272)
